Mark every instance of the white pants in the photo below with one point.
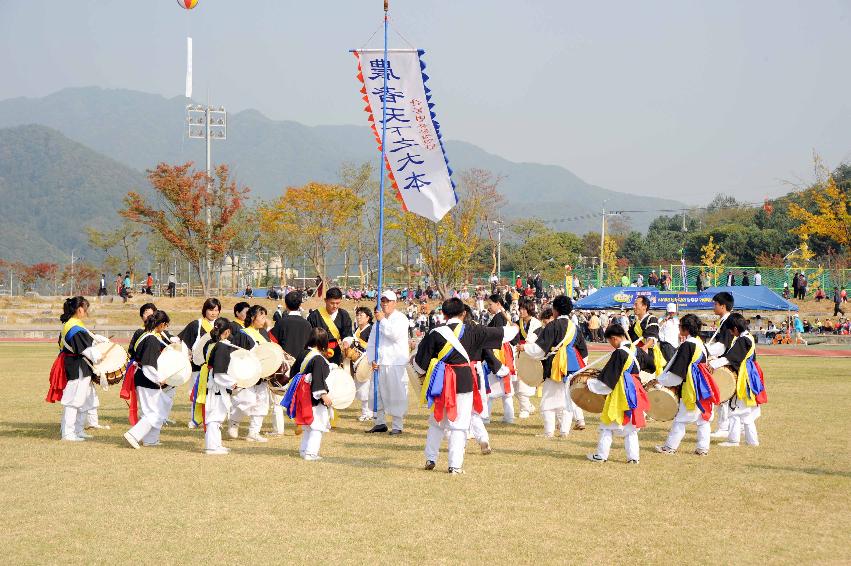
(678, 428)
(457, 432)
(723, 413)
(524, 394)
(78, 398)
(278, 419)
(477, 428)
(630, 440)
(744, 418)
(155, 406)
(392, 394)
(92, 418)
(311, 438)
(362, 394)
(498, 392)
(213, 435)
(252, 402)
(556, 403)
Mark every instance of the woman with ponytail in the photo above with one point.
(71, 375)
(219, 385)
(155, 398)
(253, 401)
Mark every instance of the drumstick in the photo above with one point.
(592, 364)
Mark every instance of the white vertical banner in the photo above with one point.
(414, 154)
(188, 67)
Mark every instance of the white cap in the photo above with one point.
(672, 307)
(389, 295)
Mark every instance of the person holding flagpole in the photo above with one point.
(389, 356)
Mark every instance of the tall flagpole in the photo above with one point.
(385, 65)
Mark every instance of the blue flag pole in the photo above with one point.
(385, 67)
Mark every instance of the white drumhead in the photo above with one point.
(198, 349)
(113, 358)
(271, 357)
(244, 367)
(173, 365)
(341, 388)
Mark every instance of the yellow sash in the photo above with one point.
(71, 323)
(363, 343)
(310, 355)
(742, 377)
(201, 394)
(255, 335)
(332, 328)
(206, 324)
(523, 329)
(658, 357)
(559, 368)
(688, 393)
(440, 355)
(616, 403)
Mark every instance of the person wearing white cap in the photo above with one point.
(669, 331)
(391, 329)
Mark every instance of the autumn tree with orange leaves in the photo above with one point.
(311, 217)
(180, 217)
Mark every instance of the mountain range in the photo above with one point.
(91, 145)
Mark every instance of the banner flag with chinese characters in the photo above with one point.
(414, 155)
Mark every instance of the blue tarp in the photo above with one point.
(753, 298)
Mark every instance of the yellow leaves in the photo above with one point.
(712, 258)
(610, 260)
(832, 218)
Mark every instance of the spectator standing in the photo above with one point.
(837, 301)
(802, 287)
(746, 281)
(731, 279)
(149, 285)
(757, 278)
(795, 284)
(172, 285)
(652, 279)
(639, 281)
(102, 288)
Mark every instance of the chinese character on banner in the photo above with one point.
(415, 158)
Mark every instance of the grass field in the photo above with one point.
(368, 501)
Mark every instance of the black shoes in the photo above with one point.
(378, 428)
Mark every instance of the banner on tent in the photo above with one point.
(658, 299)
(414, 154)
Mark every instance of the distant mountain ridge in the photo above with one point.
(52, 188)
(141, 129)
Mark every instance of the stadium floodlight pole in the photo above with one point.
(207, 123)
(602, 245)
(499, 224)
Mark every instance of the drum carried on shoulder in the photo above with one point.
(113, 361)
(584, 398)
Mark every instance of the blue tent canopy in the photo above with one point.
(754, 298)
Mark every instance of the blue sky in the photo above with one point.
(672, 98)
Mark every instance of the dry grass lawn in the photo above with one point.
(368, 501)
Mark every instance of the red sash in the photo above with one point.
(637, 414)
(303, 404)
(128, 393)
(58, 379)
(447, 402)
(508, 355)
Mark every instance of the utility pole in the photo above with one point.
(499, 225)
(72, 273)
(207, 123)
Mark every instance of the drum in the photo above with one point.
(529, 370)
(725, 380)
(278, 381)
(413, 376)
(586, 399)
(353, 354)
(244, 367)
(664, 401)
(363, 369)
(341, 388)
(271, 356)
(113, 362)
(173, 365)
(646, 377)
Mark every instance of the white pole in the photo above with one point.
(209, 188)
(602, 244)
